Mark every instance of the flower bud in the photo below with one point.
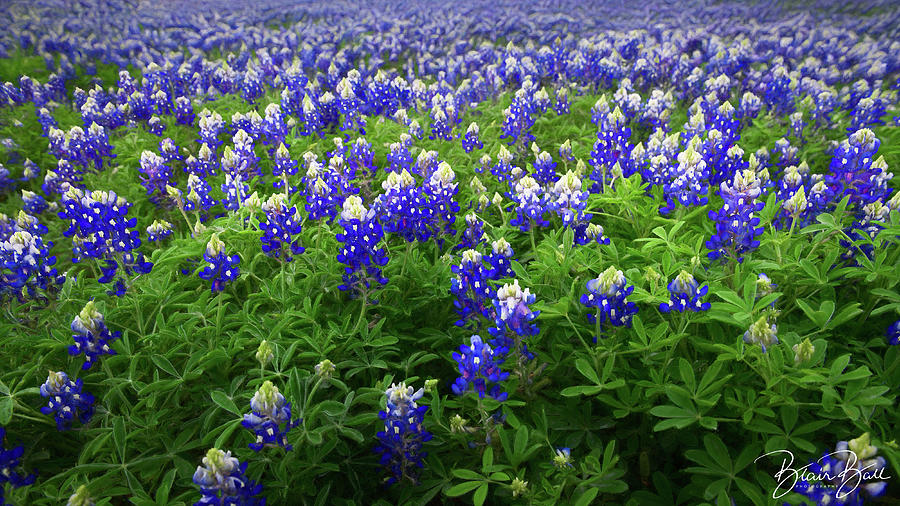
(264, 354)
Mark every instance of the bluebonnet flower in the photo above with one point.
(518, 119)
(471, 288)
(242, 159)
(47, 121)
(222, 268)
(687, 184)
(568, 200)
(565, 151)
(787, 153)
(849, 475)
(274, 127)
(426, 163)
(793, 209)
(198, 197)
(360, 253)
(184, 111)
(561, 105)
(66, 400)
(156, 174)
(235, 191)
(361, 158)
(348, 106)
(479, 370)
(156, 127)
(204, 164)
(562, 459)
(471, 140)
(400, 443)
(500, 259)
(736, 226)
(532, 205)
(415, 130)
(251, 86)
(169, 151)
(612, 147)
(282, 228)
(10, 459)
(92, 337)
(893, 333)
(268, 412)
(764, 286)
(513, 316)
(473, 235)
(399, 158)
(159, 230)
(98, 147)
(762, 332)
(402, 208)
(211, 125)
(33, 203)
(869, 221)
(283, 167)
(544, 168)
(100, 229)
(540, 99)
(441, 190)
(853, 173)
(25, 263)
(312, 118)
(443, 118)
(586, 232)
(322, 197)
(748, 109)
(779, 95)
(685, 294)
(503, 168)
(867, 113)
(6, 181)
(81, 497)
(222, 480)
(30, 170)
(608, 294)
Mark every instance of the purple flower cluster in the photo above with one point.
(269, 412)
(223, 480)
(92, 337)
(282, 228)
(400, 443)
(66, 400)
(360, 253)
(479, 370)
(607, 295)
(101, 230)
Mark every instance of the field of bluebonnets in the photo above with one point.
(485, 252)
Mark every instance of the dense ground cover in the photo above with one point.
(422, 253)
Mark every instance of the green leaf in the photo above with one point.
(224, 402)
(687, 373)
(587, 370)
(480, 495)
(6, 410)
(463, 488)
(467, 474)
(162, 491)
(119, 436)
(164, 364)
(487, 459)
(521, 442)
(587, 497)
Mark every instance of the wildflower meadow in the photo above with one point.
(449, 252)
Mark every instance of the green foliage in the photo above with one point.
(674, 410)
